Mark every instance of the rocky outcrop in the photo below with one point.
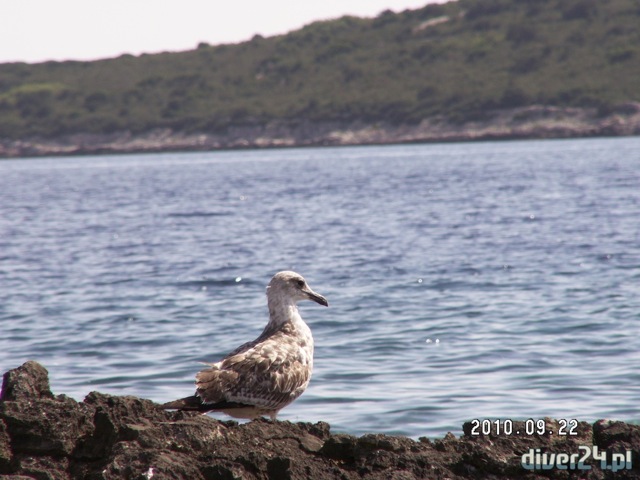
(527, 122)
(43, 436)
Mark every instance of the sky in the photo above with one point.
(40, 30)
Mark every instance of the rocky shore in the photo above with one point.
(533, 122)
(43, 436)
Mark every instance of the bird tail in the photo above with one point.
(193, 403)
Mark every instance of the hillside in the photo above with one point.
(458, 62)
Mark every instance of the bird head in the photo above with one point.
(292, 285)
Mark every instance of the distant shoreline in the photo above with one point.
(533, 122)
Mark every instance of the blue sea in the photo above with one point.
(474, 280)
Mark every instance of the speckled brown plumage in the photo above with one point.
(263, 376)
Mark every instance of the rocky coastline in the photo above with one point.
(43, 436)
(533, 122)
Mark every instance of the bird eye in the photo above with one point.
(300, 283)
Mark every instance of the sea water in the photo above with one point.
(475, 280)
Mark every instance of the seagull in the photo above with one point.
(261, 377)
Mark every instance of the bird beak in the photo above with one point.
(316, 297)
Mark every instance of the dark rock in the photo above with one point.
(5, 449)
(618, 437)
(28, 382)
(45, 427)
(340, 447)
(44, 467)
(609, 433)
(107, 437)
(384, 442)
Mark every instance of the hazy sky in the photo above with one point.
(39, 30)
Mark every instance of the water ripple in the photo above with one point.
(521, 259)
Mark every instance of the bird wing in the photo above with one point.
(268, 373)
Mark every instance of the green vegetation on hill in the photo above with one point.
(458, 60)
